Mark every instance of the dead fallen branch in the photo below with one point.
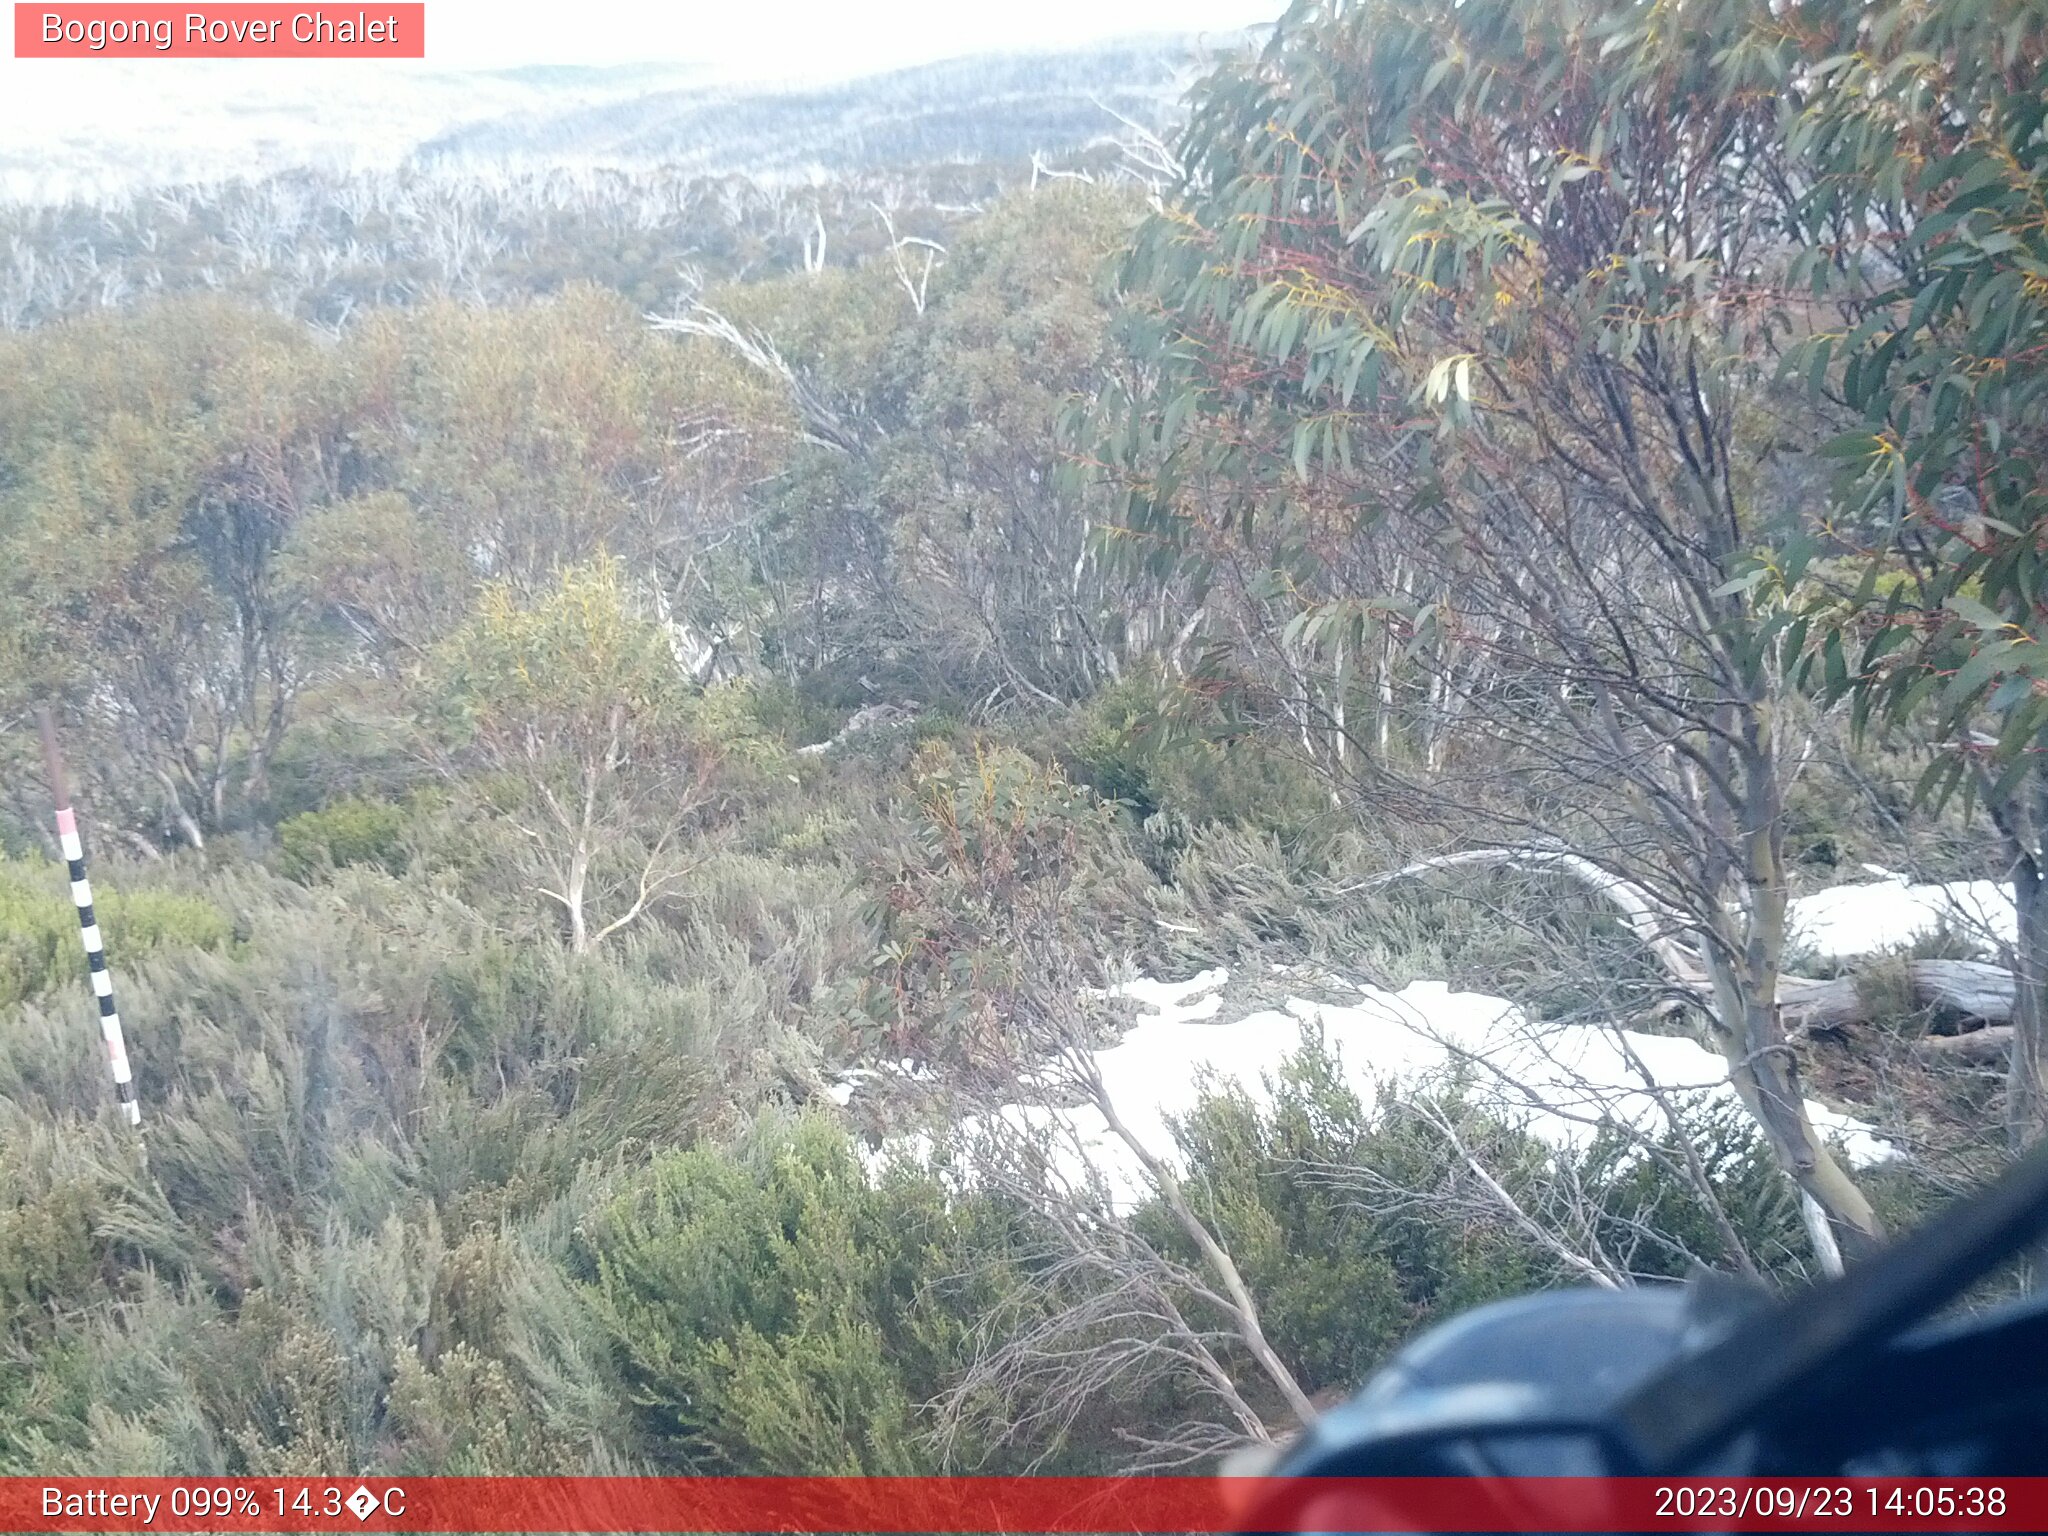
(1993, 1043)
(1968, 989)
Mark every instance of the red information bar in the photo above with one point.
(1063, 1505)
(375, 30)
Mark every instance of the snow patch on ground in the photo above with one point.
(1853, 920)
(842, 1088)
(1177, 1002)
(1560, 1081)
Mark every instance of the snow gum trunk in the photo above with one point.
(2027, 1075)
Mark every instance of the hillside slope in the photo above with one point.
(990, 107)
(205, 124)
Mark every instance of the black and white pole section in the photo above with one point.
(88, 926)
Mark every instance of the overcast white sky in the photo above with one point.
(806, 36)
(762, 37)
(72, 123)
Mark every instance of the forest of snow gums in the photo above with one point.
(1007, 796)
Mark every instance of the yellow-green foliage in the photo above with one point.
(728, 717)
(47, 1255)
(349, 831)
(39, 927)
(578, 652)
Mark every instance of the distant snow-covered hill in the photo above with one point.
(65, 134)
(991, 107)
(74, 129)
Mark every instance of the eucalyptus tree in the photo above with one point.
(1923, 169)
(156, 474)
(1455, 341)
(568, 715)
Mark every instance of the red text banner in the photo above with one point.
(949, 1505)
(374, 31)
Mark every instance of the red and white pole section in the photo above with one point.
(88, 926)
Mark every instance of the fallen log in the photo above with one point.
(1655, 924)
(865, 719)
(1993, 1043)
(1969, 989)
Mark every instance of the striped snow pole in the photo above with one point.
(88, 926)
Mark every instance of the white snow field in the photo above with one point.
(1561, 1082)
(1851, 920)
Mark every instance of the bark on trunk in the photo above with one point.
(572, 892)
(1766, 1077)
(174, 803)
(2026, 1086)
(2023, 817)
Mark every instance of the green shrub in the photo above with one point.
(47, 1254)
(790, 715)
(1357, 1228)
(467, 1417)
(39, 946)
(728, 719)
(941, 723)
(1162, 751)
(1343, 1277)
(1656, 1225)
(349, 831)
(1108, 749)
(774, 1312)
